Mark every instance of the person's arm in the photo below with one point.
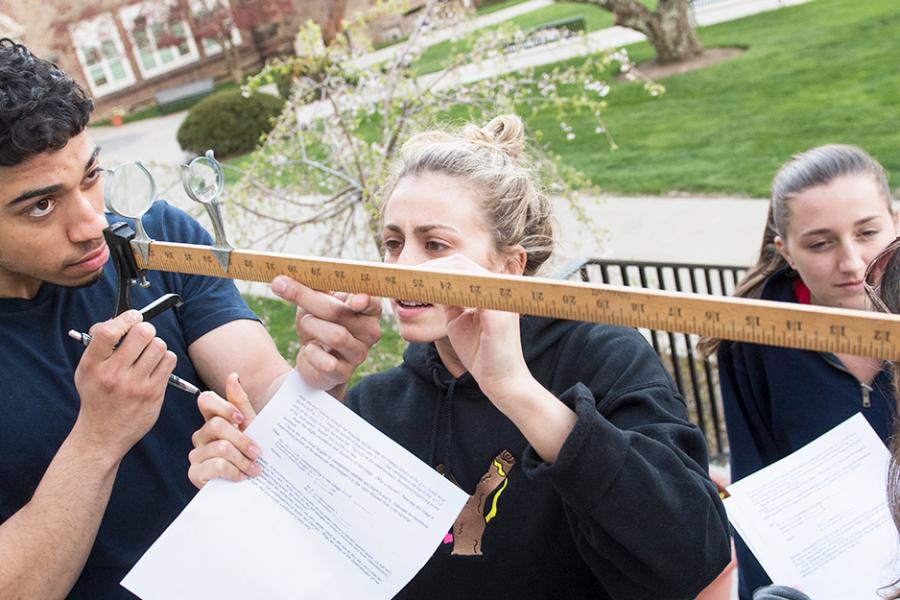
(632, 475)
(121, 384)
(750, 441)
(243, 347)
(336, 331)
(56, 529)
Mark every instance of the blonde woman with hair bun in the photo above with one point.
(587, 479)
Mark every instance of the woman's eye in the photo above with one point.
(433, 246)
(42, 207)
(393, 245)
(870, 232)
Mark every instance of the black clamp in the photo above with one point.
(118, 238)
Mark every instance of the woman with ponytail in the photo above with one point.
(587, 479)
(830, 215)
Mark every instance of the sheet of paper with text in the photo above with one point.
(818, 519)
(339, 511)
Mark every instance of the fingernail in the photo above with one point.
(237, 417)
(254, 452)
(279, 284)
(132, 316)
(255, 470)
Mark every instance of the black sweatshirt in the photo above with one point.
(627, 510)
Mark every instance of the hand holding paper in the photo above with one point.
(339, 511)
(819, 517)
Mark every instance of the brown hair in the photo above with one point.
(887, 299)
(491, 158)
(816, 167)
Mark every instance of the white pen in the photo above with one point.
(174, 380)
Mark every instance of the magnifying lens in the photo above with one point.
(129, 192)
(204, 180)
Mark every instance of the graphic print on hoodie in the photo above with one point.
(468, 529)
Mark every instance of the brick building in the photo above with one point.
(124, 51)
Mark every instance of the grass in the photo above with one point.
(278, 317)
(595, 18)
(817, 73)
(486, 8)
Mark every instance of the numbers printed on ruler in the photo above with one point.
(776, 323)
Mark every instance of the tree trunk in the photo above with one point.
(331, 26)
(672, 33)
(233, 60)
(669, 28)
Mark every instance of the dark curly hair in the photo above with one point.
(41, 108)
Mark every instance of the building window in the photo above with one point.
(161, 39)
(102, 54)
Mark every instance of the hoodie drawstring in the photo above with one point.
(441, 406)
(449, 448)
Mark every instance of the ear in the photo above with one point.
(514, 260)
(782, 249)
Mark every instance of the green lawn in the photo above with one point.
(595, 18)
(818, 73)
(813, 74)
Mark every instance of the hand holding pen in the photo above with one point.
(121, 380)
(156, 307)
(174, 380)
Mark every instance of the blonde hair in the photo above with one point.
(491, 159)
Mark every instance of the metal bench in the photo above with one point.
(178, 97)
(573, 24)
(695, 376)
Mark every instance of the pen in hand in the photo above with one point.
(174, 380)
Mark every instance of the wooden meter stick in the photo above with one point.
(759, 321)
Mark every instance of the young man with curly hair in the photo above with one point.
(94, 467)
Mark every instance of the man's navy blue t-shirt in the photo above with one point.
(39, 402)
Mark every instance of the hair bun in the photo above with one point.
(505, 132)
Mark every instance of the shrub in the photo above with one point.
(228, 123)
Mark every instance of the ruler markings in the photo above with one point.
(758, 321)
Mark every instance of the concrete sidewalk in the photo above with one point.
(708, 230)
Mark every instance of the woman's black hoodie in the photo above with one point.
(627, 511)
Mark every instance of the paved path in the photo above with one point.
(436, 37)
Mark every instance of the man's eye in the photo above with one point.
(93, 175)
(41, 208)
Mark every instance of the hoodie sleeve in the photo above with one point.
(745, 400)
(633, 474)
